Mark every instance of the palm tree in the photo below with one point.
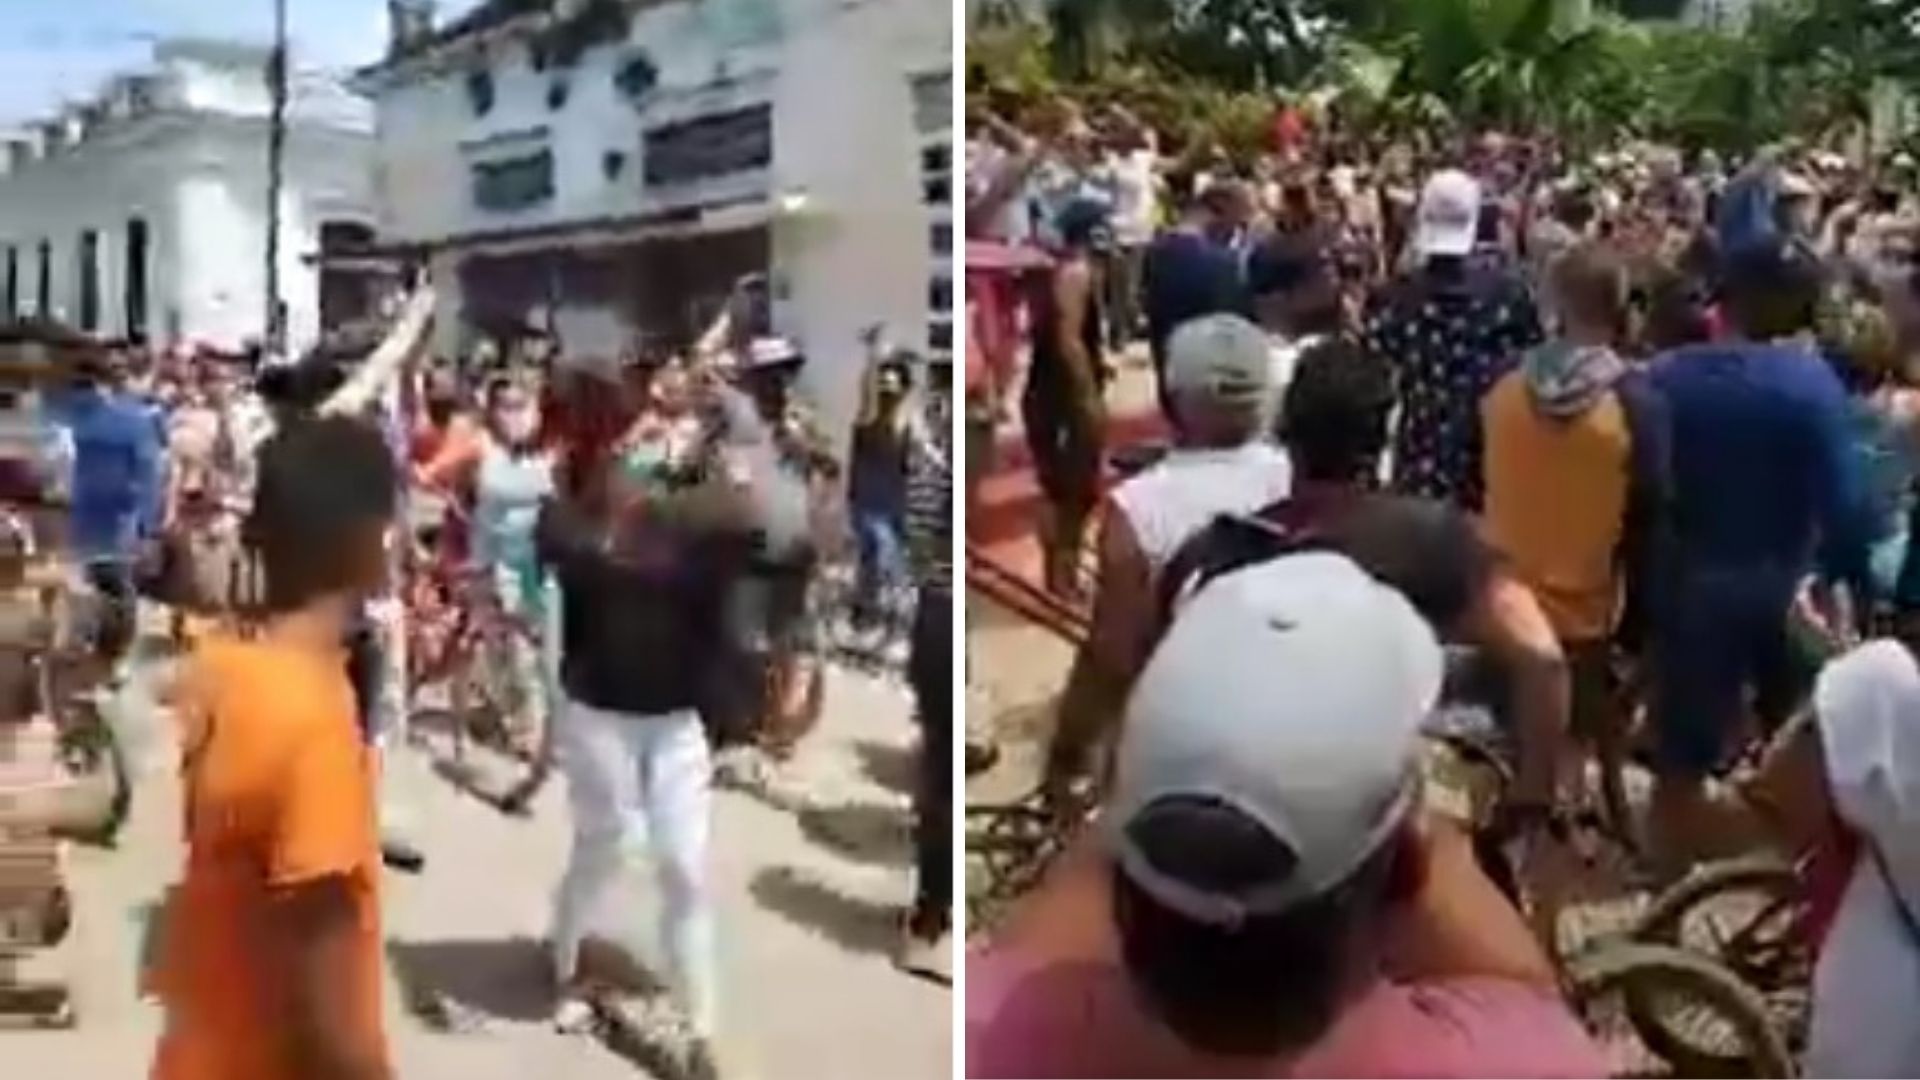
(1505, 62)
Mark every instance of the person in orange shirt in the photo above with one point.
(270, 963)
(1577, 477)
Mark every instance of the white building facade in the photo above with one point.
(143, 213)
(609, 169)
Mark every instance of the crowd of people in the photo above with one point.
(660, 523)
(1624, 439)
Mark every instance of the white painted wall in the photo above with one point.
(844, 133)
(200, 181)
(837, 73)
(429, 136)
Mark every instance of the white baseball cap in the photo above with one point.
(1219, 358)
(771, 352)
(1449, 214)
(1289, 694)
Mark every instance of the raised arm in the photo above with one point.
(408, 337)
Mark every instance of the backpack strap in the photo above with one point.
(1230, 542)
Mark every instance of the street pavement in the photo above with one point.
(807, 902)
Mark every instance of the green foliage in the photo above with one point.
(1589, 71)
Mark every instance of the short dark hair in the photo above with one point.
(1221, 197)
(1284, 262)
(1334, 417)
(300, 387)
(1574, 208)
(1676, 311)
(1267, 985)
(1773, 291)
(325, 485)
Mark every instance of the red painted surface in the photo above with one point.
(1002, 524)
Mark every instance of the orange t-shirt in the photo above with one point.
(1556, 503)
(279, 791)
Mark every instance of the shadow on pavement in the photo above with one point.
(854, 923)
(863, 832)
(506, 978)
(891, 766)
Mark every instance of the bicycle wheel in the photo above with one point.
(1011, 845)
(91, 751)
(1746, 914)
(1727, 1026)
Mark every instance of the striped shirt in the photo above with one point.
(929, 520)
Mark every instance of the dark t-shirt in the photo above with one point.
(1449, 336)
(1185, 276)
(641, 620)
(1426, 549)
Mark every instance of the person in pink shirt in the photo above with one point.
(1262, 895)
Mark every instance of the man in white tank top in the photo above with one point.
(1219, 381)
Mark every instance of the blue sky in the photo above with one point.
(57, 50)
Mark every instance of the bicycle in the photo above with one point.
(67, 669)
(463, 638)
(1750, 915)
(1687, 1011)
(69, 783)
(1664, 991)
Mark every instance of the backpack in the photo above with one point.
(1230, 542)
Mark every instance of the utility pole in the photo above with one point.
(276, 330)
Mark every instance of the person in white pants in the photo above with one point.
(641, 783)
(640, 634)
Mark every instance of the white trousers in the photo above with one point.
(641, 783)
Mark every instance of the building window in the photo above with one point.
(142, 95)
(43, 305)
(933, 102)
(515, 183)
(87, 269)
(710, 146)
(635, 76)
(480, 92)
(936, 172)
(936, 197)
(136, 297)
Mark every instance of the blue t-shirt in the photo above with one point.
(1765, 475)
(1185, 276)
(116, 487)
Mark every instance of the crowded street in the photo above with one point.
(475, 590)
(1441, 486)
(807, 898)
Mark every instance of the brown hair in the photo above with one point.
(1589, 286)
